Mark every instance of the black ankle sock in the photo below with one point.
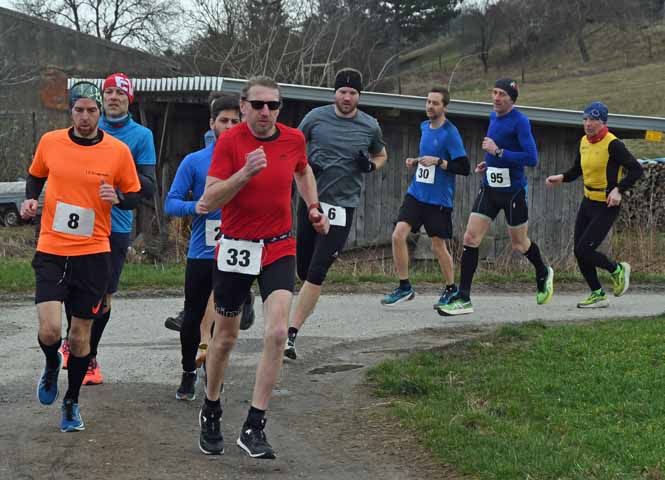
(452, 286)
(51, 353)
(76, 369)
(254, 417)
(213, 403)
(98, 326)
(404, 284)
(293, 332)
(533, 254)
(468, 266)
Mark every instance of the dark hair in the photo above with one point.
(260, 81)
(444, 93)
(225, 101)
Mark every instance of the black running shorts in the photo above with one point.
(437, 219)
(490, 202)
(80, 281)
(231, 288)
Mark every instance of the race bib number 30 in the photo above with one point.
(239, 256)
(73, 220)
(498, 177)
(213, 233)
(336, 215)
(425, 174)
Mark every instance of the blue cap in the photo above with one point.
(596, 111)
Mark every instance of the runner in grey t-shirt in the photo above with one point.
(343, 144)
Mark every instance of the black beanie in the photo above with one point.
(509, 86)
(349, 77)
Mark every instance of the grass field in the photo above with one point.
(539, 402)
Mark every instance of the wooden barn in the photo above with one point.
(176, 111)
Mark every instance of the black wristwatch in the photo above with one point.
(498, 152)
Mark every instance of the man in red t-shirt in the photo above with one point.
(250, 177)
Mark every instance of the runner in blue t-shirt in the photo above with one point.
(509, 147)
(191, 178)
(429, 199)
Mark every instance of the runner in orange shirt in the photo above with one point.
(87, 172)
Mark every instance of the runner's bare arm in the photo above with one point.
(379, 159)
(306, 184)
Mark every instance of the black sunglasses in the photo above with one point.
(258, 104)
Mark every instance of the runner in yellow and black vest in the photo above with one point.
(608, 170)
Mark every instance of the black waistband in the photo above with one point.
(592, 189)
(274, 239)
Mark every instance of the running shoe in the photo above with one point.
(47, 387)
(621, 279)
(597, 299)
(456, 306)
(446, 295)
(64, 349)
(544, 295)
(71, 417)
(93, 376)
(211, 441)
(254, 443)
(290, 348)
(248, 314)
(175, 323)
(398, 295)
(187, 388)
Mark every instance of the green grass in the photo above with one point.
(539, 402)
(17, 276)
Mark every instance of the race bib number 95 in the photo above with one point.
(498, 177)
(239, 256)
(73, 220)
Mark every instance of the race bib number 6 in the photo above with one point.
(425, 174)
(336, 215)
(73, 220)
(498, 177)
(239, 256)
(213, 233)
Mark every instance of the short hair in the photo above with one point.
(260, 81)
(444, 93)
(225, 101)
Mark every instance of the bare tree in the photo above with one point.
(148, 24)
(481, 27)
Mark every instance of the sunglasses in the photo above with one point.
(258, 104)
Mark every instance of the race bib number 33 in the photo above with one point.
(336, 215)
(498, 177)
(73, 220)
(425, 174)
(239, 256)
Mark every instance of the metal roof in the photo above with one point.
(540, 115)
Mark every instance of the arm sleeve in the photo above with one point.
(34, 186)
(377, 144)
(301, 162)
(306, 125)
(148, 179)
(38, 167)
(574, 172)
(459, 166)
(128, 180)
(176, 204)
(129, 200)
(634, 170)
(528, 157)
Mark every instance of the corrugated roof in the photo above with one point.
(549, 116)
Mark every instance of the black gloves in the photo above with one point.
(364, 163)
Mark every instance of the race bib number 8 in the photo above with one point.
(425, 174)
(73, 220)
(336, 215)
(239, 256)
(498, 177)
(213, 232)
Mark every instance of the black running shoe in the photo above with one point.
(248, 314)
(254, 443)
(290, 348)
(187, 388)
(175, 323)
(211, 441)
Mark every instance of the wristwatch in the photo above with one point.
(439, 162)
(498, 152)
